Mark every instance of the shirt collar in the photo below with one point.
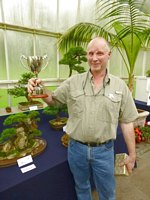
(106, 79)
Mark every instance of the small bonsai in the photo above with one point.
(148, 73)
(20, 138)
(74, 58)
(20, 88)
(55, 109)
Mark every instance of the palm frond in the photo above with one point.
(81, 34)
(126, 12)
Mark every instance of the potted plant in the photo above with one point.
(123, 22)
(55, 110)
(20, 137)
(145, 133)
(74, 58)
(20, 89)
(148, 73)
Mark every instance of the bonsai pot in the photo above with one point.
(58, 124)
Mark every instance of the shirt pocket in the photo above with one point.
(110, 108)
(76, 103)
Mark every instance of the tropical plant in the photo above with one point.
(74, 58)
(124, 23)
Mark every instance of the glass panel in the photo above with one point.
(3, 75)
(47, 45)
(46, 14)
(87, 11)
(138, 69)
(115, 64)
(18, 44)
(1, 11)
(18, 12)
(67, 14)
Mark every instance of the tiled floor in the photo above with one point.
(137, 185)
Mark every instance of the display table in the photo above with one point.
(52, 179)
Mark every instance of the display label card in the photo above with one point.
(27, 168)
(64, 128)
(25, 160)
(33, 108)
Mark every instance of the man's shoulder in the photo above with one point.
(81, 76)
(116, 78)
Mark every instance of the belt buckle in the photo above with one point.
(93, 144)
(89, 145)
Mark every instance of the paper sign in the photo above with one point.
(33, 108)
(64, 128)
(27, 168)
(25, 160)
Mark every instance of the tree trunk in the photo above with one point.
(131, 82)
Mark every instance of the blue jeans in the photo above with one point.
(98, 161)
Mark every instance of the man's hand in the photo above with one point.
(129, 161)
(32, 83)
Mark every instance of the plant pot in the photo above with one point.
(58, 124)
(24, 106)
(140, 121)
(34, 151)
(8, 109)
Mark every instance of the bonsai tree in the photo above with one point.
(148, 73)
(74, 58)
(55, 110)
(20, 138)
(125, 23)
(20, 88)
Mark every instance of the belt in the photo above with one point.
(93, 144)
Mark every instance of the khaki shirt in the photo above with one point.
(94, 117)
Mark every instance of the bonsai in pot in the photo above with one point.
(148, 73)
(20, 89)
(74, 58)
(55, 111)
(20, 138)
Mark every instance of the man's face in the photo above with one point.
(98, 54)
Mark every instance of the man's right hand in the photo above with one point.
(32, 83)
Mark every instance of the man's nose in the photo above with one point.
(94, 57)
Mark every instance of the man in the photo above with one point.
(96, 102)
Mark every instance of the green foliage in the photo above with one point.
(15, 119)
(145, 131)
(8, 133)
(55, 109)
(123, 23)
(34, 115)
(148, 73)
(74, 58)
(20, 88)
(27, 121)
(35, 133)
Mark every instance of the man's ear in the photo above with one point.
(109, 53)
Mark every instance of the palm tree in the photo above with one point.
(124, 23)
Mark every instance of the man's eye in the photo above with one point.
(99, 53)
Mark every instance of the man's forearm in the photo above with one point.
(49, 100)
(129, 137)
